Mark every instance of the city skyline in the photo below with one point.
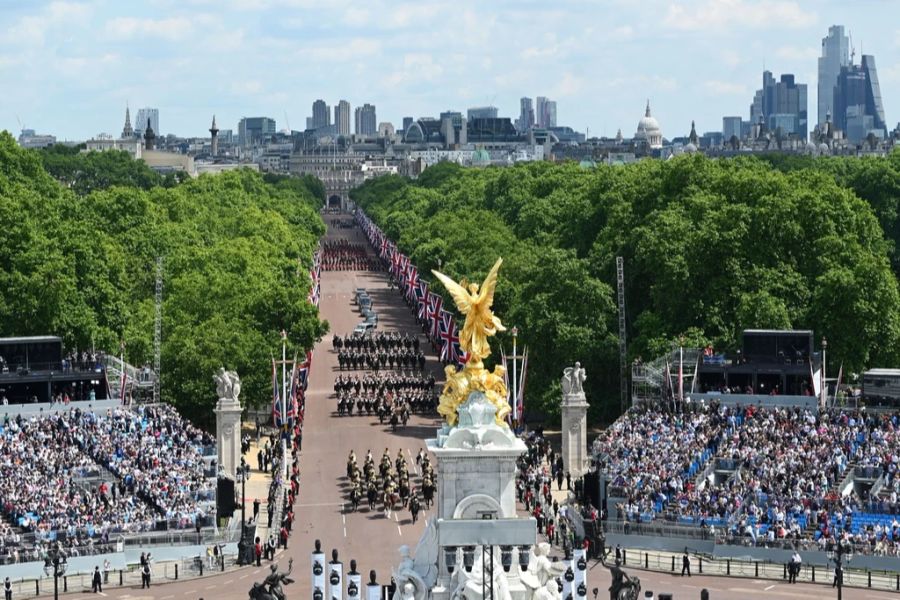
(600, 62)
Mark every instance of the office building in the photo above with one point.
(140, 123)
(545, 112)
(858, 108)
(407, 121)
(731, 126)
(366, 123)
(482, 112)
(835, 56)
(255, 130)
(526, 115)
(321, 116)
(29, 139)
(342, 118)
(781, 104)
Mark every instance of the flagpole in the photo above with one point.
(515, 379)
(284, 447)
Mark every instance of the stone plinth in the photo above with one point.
(574, 434)
(228, 435)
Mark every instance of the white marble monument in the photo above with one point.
(574, 422)
(228, 421)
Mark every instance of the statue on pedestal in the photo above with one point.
(622, 587)
(270, 588)
(228, 385)
(475, 302)
(415, 577)
(540, 578)
(573, 380)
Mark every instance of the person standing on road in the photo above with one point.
(257, 550)
(97, 581)
(7, 589)
(145, 575)
(685, 564)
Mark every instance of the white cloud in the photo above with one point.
(622, 33)
(725, 88)
(170, 28)
(32, 30)
(718, 16)
(570, 85)
(352, 50)
(797, 53)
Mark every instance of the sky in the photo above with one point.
(69, 67)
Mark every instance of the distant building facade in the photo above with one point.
(835, 56)
(140, 123)
(545, 112)
(781, 104)
(321, 116)
(342, 118)
(482, 112)
(526, 115)
(255, 130)
(29, 139)
(858, 108)
(366, 121)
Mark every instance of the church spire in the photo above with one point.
(647, 112)
(692, 137)
(127, 131)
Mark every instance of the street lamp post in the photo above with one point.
(517, 418)
(842, 551)
(242, 475)
(55, 565)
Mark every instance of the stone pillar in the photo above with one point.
(574, 434)
(228, 435)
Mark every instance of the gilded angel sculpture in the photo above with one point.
(475, 304)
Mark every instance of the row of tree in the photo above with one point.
(711, 247)
(78, 260)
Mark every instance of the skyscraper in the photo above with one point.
(366, 123)
(731, 126)
(781, 104)
(482, 112)
(835, 56)
(140, 123)
(342, 117)
(321, 116)
(254, 130)
(545, 112)
(407, 121)
(526, 115)
(858, 109)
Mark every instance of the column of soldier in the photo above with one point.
(390, 483)
(397, 384)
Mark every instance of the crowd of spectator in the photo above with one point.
(342, 255)
(766, 474)
(78, 477)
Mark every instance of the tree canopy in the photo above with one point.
(711, 247)
(80, 264)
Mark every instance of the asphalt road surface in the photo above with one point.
(322, 509)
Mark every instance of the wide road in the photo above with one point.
(322, 509)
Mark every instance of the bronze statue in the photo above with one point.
(623, 587)
(270, 588)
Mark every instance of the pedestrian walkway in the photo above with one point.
(257, 487)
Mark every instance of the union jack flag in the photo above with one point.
(421, 296)
(449, 336)
(412, 281)
(434, 311)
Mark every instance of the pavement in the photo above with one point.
(322, 509)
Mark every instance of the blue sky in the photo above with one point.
(68, 67)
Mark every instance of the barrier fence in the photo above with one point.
(164, 572)
(669, 562)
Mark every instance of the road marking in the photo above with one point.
(345, 532)
(229, 582)
(243, 577)
(399, 530)
(769, 588)
(320, 504)
(210, 587)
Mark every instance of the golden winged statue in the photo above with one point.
(475, 304)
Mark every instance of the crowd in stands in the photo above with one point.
(342, 255)
(79, 477)
(766, 474)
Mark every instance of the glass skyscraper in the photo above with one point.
(835, 56)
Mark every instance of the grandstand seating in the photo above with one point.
(58, 471)
(756, 469)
